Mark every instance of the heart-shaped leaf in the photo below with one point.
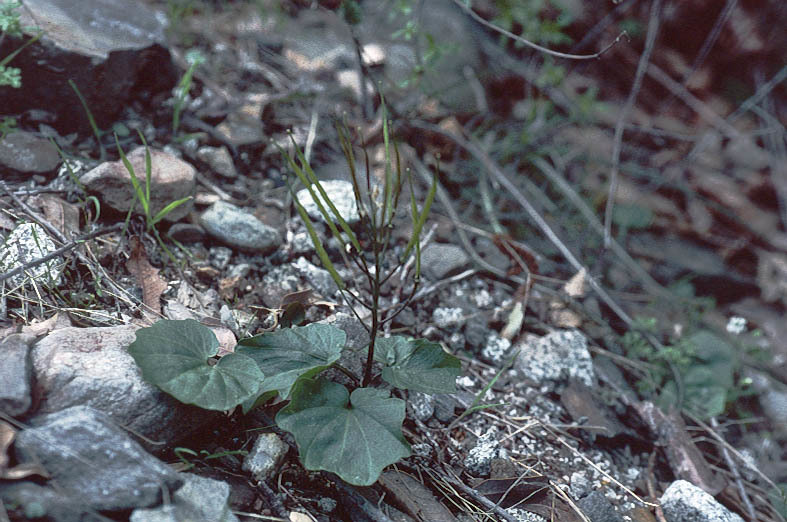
(173, 355)
(291, 353)
(353, 435)
(417, 364)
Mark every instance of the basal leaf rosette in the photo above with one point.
(353, 435)
(417, 364)
(173, 355)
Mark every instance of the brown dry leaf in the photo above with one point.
(685, 459)
(580, 402)
(20, 471)
(413, 498)
(577, 285)
(63, 215)
(146, 274)
(55, 322)
(227, 287)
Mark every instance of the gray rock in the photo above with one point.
(440, 260)
(219, 160)
(317, 277)
(422, 405)
(445, 407)
(580, 484)
(266, 456)
(15, 373)
(476, 331)
(91, 459)
(171, 179)
(40, 501)
(598, 508)
(340, 193)
(111, 49)
(239, 229)
(199, 499)
(219, 257)
(30, 242)
(186, 233)
(556, 357)
(90, 366)
(495, 349)
(685, 502)
(27, 153)
(479, 459)
(445, 317)
(522, 515)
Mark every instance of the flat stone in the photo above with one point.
(555, 358)
(91, 367)
(239, 229)
(319, 278)
(113, 50)
(25, 152)
(171, 179)
(15, 374)
(598, 508)
(266, 456)
(440, 260)
(93, 460)
(199, 498)
(219, 160)
(26, 243)
(339, 192)
(684, 502)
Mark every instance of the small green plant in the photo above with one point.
(697, 372)
(142, 194)
(356, 432)
(10, 26)
(195, 59)
(7, 126)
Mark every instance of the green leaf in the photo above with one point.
(353, 435)
(417, 364)
(292, 353)
(174, 355)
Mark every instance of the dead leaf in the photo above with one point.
(413, 497)
(147, 275)
(20, 471)
(684, 457)
(40, 328)
(62, 214)
(580, 402)
(577, 286)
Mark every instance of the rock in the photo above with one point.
(555, 358)
(90, 366)
(243, 126)
(479, 459)
(580, 484)
(186, 233)
(266, 456)
(447, 317)
(40, 501)
(15, 373)
(422, 405)
(445, 405)
(111, 49)
(598, 509)
(171, 179)
(219, 160)
(340, 193)
(239, 229)
(30, 242)
(685, 502)
(27, 153)
(319, 278)
(94, 461)
(439, 260)
(495, 349)
(525, 516)
(199, 498)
